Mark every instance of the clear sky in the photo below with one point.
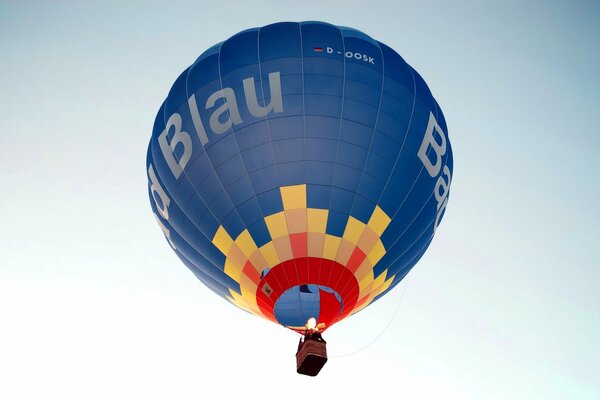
(95, 305)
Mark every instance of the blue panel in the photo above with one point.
(378, 167)
(319, 173)
(292, 173)
(222, 150)
(231, 170)
(210, 187)
(321, 149)
(322, 127)
(240, 191)
(258, 157)
(385, 146)
(252, 135)
(362, 209)
(286, 128)
(318, 196)
(198, 170)
(346, 177)
(233, 225)
(370, 188)
(336, 223)
(221, 205)
(260, 233)
(250, 211)
(270, 202)
(326, 85)
(328, 106)
(341, 200)
(238, 51)
(264, 179)
(358, 134)
(352, 155)
(279, 41)
(288, 150)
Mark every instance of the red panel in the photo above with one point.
(299, 244)
(251, 272)
(329, 308)
(355, 260)
(302, 270)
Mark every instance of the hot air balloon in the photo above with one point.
(299, 170)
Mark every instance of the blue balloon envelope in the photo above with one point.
(299, 170)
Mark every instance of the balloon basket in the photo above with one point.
(311, 357)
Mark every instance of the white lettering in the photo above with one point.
(444, 185)
(168, 149)
(439, 148)
(442, 198)
(156, 189)
(439, 215)
(166, 232)
(197, 120)
(276, 103)
(228, 108)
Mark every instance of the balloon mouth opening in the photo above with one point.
(308, 306)
(296, 290)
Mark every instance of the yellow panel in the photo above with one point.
(296, 220)
(379, 221)
(241, 302)
(376, 253)
(380, 280)
(222, 240)
(317, 220)
(232, 270)
(248, 289)
(366, 280)
(330, 248)
(354, 230)
(246, 243)
(277, 225)
(293, 196)
(269, 254)
(344, 251)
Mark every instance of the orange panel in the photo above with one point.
(367, 240)
(344, 252)
(315, 244)
(283, 248)
(296, 220)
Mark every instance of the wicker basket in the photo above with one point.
(311, 357)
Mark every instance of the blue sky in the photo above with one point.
(94, 304)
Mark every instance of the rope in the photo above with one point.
(376, 338)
